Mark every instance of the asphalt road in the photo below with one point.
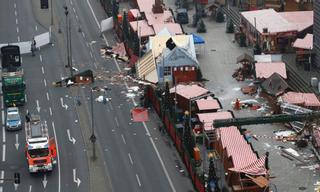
(131, 156)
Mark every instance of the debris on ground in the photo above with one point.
(118, 52)
(102, 99)
(250, 90)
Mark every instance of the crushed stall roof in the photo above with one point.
(304, 99)
(146, 68)
(305, 43)
(208, 104)
(239, 150)
(189, 91)
(275, 85)
(265, 70)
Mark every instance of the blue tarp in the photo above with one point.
(197, 39)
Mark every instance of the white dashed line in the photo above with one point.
(17, 29)
(30, 188)
(138, 180)
(50, 110)
(3, 134)
(15, 5)
(84, 35)
(91, 54)
(36, 28)
(15, 13)
(2, 116)
(16, 21)
(41, 58)
(117, 123)
(77, 17)
(123, 139)
(21, 56)
(74, 10)
(3, 152)
(25, 96)
(2, 176)
(48, 96)
(18, 38)
(45, 82)
(42, 69)
(130, 159)
(71, 2)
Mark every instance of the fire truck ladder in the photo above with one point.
(282, 118)
(36, 128)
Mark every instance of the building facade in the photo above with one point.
(316, 33)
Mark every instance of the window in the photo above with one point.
(167, 71)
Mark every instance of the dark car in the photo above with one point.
(182, 16)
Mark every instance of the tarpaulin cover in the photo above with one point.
(140, 114)
(197, 39)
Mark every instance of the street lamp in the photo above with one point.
(68, 34)
(93, 138)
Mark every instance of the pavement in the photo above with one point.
(217, 62)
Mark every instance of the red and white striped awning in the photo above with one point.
(255, 168)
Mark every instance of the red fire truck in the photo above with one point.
(41, 150)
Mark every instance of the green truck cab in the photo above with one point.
(13, 88)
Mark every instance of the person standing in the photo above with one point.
(33, 46)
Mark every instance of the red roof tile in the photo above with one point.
(305, 43)
(265, 70)
(299, 19)
(304, 99)
(207, 104)
(189, 91)
(145, 29)
(207, 118)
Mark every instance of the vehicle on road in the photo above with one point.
(13, 120)
(41, 150)
(13, 88)
(13, 85)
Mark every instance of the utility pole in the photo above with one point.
(68, 34)
(93, 138)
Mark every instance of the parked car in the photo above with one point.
(182, 16)
(13, 120)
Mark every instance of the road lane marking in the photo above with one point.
(15, 5)
(75, 178)
(146, 128)
(1, 189)
(84, 35)
(2, 176)
(50, 110)
(138, 180)
(58, 159)
(2, 115)
(91, 54)
(71, 2)
(117, 123)
(21, 56)
(15, 12)
(42, 69)
(36, 28)
(124, 141)
(40, 57)
(25, 96)
(16, 21)
(2, 104)
(45, 82)
(19, 41)
(3, 134)
(48, 96)
(30, 188)
(74, 10)
(130, 158)
(17, 29)
(4, 152)
(71, 139)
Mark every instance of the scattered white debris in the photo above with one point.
(130, 95)
(237, 89)
(134, 88)
(285, 133)
(102, 98)
(292, 151)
